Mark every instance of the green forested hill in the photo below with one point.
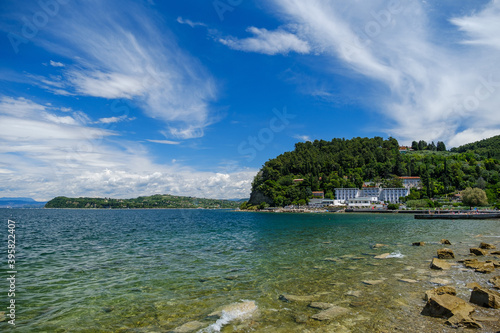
(485, 148)
(326, 165)
(154, 201)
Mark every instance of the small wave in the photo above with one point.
(396, 254)
(237, 311)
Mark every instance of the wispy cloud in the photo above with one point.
(56, 64)
(111, 120)
(432, 90)
(267, 42)
(127, 54)
(190, 23)
(164, 142)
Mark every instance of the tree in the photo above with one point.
(441, 146)
(414, 145)
(422, 145)
(474, 197)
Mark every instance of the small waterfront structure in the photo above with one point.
(362, 202)
(318, 194)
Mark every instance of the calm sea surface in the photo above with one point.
(155, 270)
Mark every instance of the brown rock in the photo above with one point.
(440, 291)
(330, 313)
(446, 306)
(486, 268)
(485, 297)
(418, 244)
(495, 263)
(472, 285)
(459, 320)
(439, 264)
(487, 246)
(495, 252)
(377, 246)
(445, 241)
(445, 254)
(477, 251)
(495, 281)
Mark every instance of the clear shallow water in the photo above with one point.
(155, 270)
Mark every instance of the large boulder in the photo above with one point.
(487, 246)
(439, 264)
(445, 254)
(330, 313)
(459, 320)
(446, 306)
(485, 297)
(445, 290)
(495, 281)
(477, 251)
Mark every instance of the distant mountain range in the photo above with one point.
(21, 203)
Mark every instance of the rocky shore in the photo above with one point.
(477, 308)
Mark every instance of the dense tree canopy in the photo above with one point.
(326, 165)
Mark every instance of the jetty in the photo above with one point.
(458, 216)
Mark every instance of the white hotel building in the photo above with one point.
(354, 196)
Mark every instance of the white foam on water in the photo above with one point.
(237, 311)
(396, 254)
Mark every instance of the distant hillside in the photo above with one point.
(154, 201)
(20, 203)
(291, 177)
(485, 148)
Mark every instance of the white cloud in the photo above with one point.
(429, 89)
(165, 142)
(268, 42)
(302, 137)
(56, 64)
(128, 55)
(46, 153)
(190, 23)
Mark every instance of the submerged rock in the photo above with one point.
(477, 251)
(382, 256)
(445, 241)
(301, 318)
(438, 281)
(355, 293)
(377, 246)
(445, 254)
(321, 305)
(372, 282)
(486, 298)
(439, 264)
(418, 244)
(487, 246)
(188, 327)
(296, 298)
(330, 313)
(408, 280)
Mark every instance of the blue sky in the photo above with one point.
(127, 98)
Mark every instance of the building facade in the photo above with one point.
(391, 195)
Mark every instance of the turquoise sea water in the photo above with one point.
(155, 270)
